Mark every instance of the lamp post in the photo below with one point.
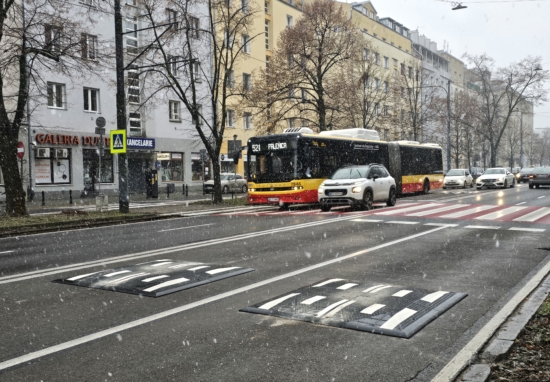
(235, 153)
(123, 200)
(448, 124)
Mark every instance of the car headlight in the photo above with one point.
(320, 191)
(356, 190)
(501, 179)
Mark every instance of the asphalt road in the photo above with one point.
(59, 332)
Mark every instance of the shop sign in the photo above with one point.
(69, 140)
(163, 156)
(140, 143)
(176, 156)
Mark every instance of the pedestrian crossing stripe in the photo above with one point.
(118, 142)
(502, 213)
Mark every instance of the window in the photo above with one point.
(173, 65)
(89, 3)
(54, 169)
(199, 112)
(386, 111)
(394, 73)
(172, 170)
(377, 83)
(291, 92)
(133, 85)
(52, 38)
(245, 41)
(289, 21)
(403, 69)
(91, 100)
(230, 118)
(196, 71)
(386, 87)
(135, 124)
(229, 40)
(367, 82)
(174, 113)
(90, 167)
(267, 67)
(410, 72)
(366, 54)
(291, 122)
(266, 7)
(244, 6)
(89, 46)
(172, 18)
(247, 121)
(56, 95)
(131, 37)
(377, 58)
(304, 95)
(247, 82)
(230, 79)
(402, 92)
(267, 34)
(193, 24)
(394, 62)
(386, 62)
(377, 108)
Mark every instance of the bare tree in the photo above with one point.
(194, 52)
(511, 139)
(501, 92)
(37, 37)
(302, 80)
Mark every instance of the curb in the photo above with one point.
(502, 341)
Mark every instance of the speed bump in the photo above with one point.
(155, 278)
(380, 308)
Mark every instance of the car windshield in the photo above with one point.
(526, 171)
(350, 173)
(227, 177)
(455, 173)
(541, 170)
(493, 171)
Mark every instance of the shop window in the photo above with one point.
(52, 166)
(172, 170)
(90, 167)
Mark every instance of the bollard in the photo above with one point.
(71, 196)
(167, 192)
(186, 190)
(43, 199)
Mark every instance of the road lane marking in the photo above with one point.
(519, 204)
(145, 320)
(432, 297)
(469, 211)
(326, 282)
(6, 252)
(437, 210)
(441, 224)
(311, 300)
(482, 226)
(193, 226)
(407, 209)
(527, 229)
(166, 283)
(402, 293)
(367, 220)
(464, 357)
(540, 197)
(398, 318)
(373, 308)
(330, 307)
(535, 215)
(273, 303)
(401, 222)
(500, 213)
(347, 286)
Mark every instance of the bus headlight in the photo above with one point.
(356, 190)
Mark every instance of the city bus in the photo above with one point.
(288, 168)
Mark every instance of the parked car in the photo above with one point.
(458, 178)
(229, 182)
(539, 177)
(523, 174)
(2, 194)
(476, 173)
(496, 177)
(358, 187)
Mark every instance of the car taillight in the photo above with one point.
(532, 176)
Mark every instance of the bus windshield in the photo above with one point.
(276, 166)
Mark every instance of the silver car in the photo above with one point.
(496, 177)
(458, 178)
(2, 194)
(230, 183)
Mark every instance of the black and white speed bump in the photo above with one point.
(383, 309)
(155, 278)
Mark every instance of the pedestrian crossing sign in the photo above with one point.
(118, 141)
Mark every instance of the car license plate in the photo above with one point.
(336, 193)
(272, 199)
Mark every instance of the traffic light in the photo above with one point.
(203, 155)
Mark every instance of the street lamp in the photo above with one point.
(235, 152)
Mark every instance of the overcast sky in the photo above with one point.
(505, 30)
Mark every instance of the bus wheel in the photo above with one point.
(367, 200)
(392, 198)
(325, 207)
(426, 187)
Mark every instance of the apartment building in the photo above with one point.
(62, 123)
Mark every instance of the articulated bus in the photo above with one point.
(288, 168)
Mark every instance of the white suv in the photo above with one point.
(358, 186)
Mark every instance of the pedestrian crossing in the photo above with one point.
(475, 212)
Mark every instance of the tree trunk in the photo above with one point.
(15, 196)
(217, 183)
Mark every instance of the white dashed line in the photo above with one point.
(401, 222)
(527, 229)
(482, 226)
